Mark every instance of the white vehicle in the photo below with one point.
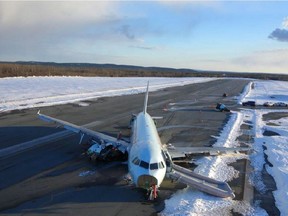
(268, 104)
(149, 161)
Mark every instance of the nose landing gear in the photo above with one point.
(152, 192)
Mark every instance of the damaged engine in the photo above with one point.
(107, 151)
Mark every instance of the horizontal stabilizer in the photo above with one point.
(157, 117)
(179, 152)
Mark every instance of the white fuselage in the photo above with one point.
(146, 162)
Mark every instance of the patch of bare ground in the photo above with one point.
(274, 116)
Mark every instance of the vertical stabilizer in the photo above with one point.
(146, 99)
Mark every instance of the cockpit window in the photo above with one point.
(136, 161)
(161, 165)
(144, 164)
(153, 166)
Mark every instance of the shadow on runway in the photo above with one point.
(98, 200)
(100, 196)
(13, 135)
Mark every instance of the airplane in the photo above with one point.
(149, 162)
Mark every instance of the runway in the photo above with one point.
(55, 178)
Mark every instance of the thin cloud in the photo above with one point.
(147, 47)
(271, 59)
(51, 20)
(29, 14)
(127, 31)
(35, 29)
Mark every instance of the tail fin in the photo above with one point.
(146, 99)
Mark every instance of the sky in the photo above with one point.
(242, 36)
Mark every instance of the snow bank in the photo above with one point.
(276, 146)
(277, 152)
(245, 92)
(217, 167)
(189, 202)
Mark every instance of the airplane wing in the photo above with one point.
(180, 152)
(82, 130)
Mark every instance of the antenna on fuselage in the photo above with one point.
(146, 99)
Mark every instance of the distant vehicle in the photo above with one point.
(222, 108)
(280, 104)
(268, 104)
(225, 95)
(249, 103)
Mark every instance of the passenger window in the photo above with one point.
(144, 164)
(153, 166)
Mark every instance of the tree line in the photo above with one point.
(25, 69)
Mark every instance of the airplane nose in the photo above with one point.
(146, 181)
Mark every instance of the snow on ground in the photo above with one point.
(266, 91)
(277, 152)
(193, 202)
(245, 92)
(217, 167)
(276, 145)
(189, 202)
(28, 92)
(257, 157)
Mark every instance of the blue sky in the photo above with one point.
(246, 36)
